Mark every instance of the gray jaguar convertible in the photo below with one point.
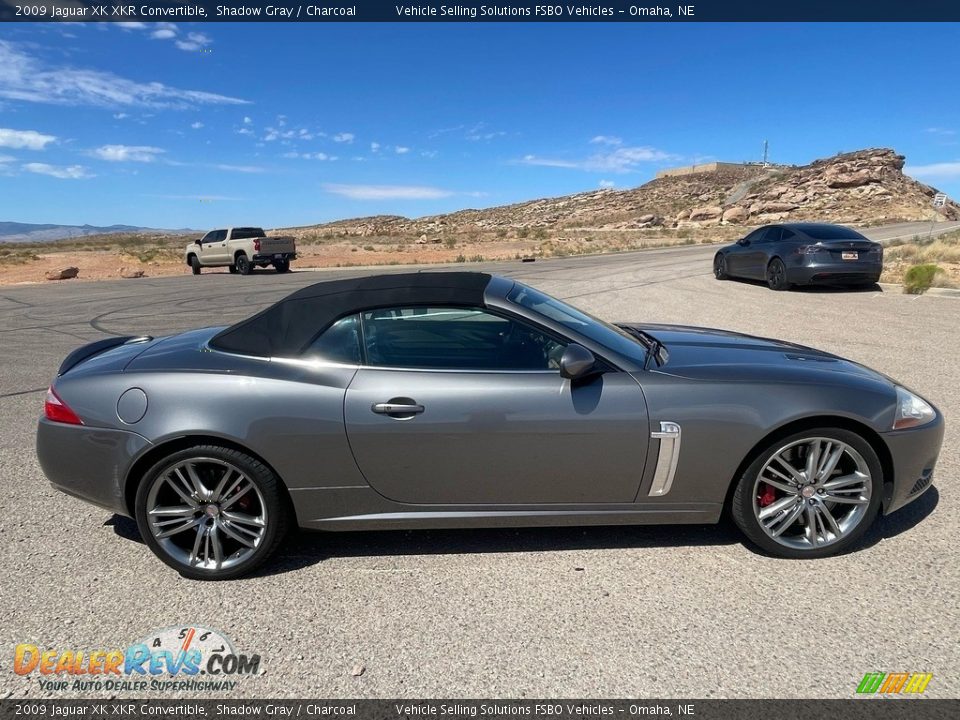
(454, 399)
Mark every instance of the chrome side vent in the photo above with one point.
(669, 437)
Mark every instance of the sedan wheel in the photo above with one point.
(211, 513)
(777, 275)
(720, 267)
(810, 495)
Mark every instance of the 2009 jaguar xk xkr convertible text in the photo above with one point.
(443, 399)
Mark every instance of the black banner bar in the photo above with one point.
(872, 708)
(426, 11)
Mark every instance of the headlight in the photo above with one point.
(912, 410)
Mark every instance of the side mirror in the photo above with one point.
(197, 242)
(576, 362)
(743, 242)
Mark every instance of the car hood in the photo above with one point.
(704, 353)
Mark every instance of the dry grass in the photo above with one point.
(943, 251)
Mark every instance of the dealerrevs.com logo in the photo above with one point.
(894, 683)
(190, 658)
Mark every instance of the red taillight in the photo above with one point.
(57, 411)
(256, 245)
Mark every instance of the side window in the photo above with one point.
(220, 236)
(451, 338)
(771, 235)
(208, 237)
(338, 343)
(788, 235)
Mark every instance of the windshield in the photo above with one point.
(601, 332)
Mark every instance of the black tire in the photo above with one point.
(275, 510)
(777, 275)
(195, 264)
(742, 506)
(243, 264)
(720, 267)
(232, 269)
(281, 266)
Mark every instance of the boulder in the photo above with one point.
(735, 215)
(710, 212)
(131, 273)
(66, 273)
(766, 208)
(850, 179)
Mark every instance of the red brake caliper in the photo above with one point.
(766, 496)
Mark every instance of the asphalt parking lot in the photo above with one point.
(681, 611)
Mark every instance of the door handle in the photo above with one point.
(395, 408)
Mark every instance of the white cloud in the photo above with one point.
(606, 140)
(944, 170)
(29, 139)
(128, 153)
(240, 168)
(27, 78)
(607, 184)
(344, 137)
(164, 31)
(387, 192)
(71, 172)
(400, 150)
(940, 131)
(6, 158)
(618, 160)
(131, 25)
(244, 131)
(197, 125)
(194, 41)
(247, 120)
(310, 156)
(374, 147)
(480, 132)
(120, 116)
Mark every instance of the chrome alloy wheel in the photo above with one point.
(812, 493)
(206, 514)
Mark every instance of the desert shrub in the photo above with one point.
(369, 248)
(450, 242)
(919, 278)
(476, 258)
(461, 258)
(523, 233)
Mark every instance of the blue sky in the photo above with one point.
(199, 125)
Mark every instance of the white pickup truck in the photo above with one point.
(241, 249)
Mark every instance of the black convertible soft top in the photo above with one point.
(288, 327)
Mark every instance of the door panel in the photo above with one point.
(497, 437)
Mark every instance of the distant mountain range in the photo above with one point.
(14, 232)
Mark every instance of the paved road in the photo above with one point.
(640, 612)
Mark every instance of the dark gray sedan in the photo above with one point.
(441, 400)
(802, 254)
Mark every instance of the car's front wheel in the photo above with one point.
(809, 495)
(195, 264)
(211, 513)
(720, 267)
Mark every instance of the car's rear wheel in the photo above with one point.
(195, 264)
(211, 513)
(777, 275)
(281, 266)
(720, 267)
(809, 495)
(243, 264)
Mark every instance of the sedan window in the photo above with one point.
(454, 338)
(339, 343)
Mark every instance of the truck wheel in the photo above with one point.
(281, 266)
(195, 264)
(243, 265)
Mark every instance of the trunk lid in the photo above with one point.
(276, 245)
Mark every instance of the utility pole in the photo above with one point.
(766, 146)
